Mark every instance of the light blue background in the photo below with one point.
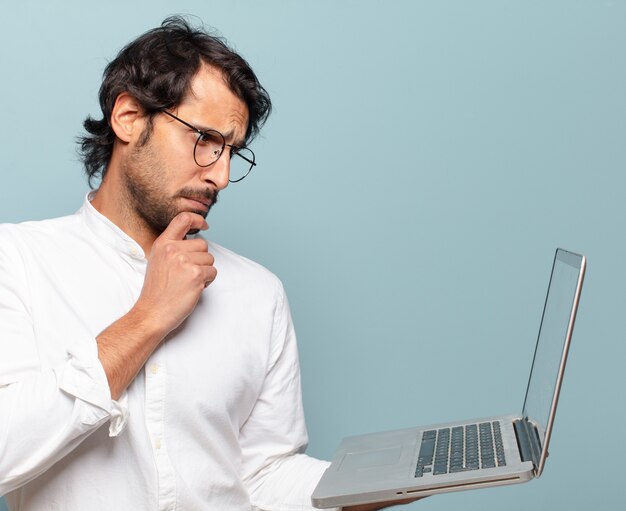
(423, 161)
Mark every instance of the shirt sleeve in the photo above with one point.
(45, 412)
(277, 473)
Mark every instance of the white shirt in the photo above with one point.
(213, 422)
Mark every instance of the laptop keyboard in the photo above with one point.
(461, 448)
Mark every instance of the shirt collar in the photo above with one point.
(107, 231)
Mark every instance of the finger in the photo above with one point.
(182, 223)
(193, 274)
(210, 276)
(194, 245)
(197, 258)
(206, 275)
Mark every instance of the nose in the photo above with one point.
(218, 173)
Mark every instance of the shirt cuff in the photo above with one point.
(83, 377)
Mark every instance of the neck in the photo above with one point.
(111, 201)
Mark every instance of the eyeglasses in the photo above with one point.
(210, 146)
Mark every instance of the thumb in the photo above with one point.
(182, 223)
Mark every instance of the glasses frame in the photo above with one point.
(234, 150)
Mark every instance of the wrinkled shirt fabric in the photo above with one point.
(214, 421)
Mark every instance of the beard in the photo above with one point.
(144, 176)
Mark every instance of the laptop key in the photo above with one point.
(460, 449)
(440, 469)
(499, 444)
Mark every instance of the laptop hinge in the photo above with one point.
(527, 440)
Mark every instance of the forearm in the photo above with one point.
(125, 345)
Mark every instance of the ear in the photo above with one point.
(127, 118)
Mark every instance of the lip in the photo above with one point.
(199, 203)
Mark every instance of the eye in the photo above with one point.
(209, 138)
(210, 145)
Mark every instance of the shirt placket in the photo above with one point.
(156, 377)
(155, 371)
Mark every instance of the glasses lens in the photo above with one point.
(208, 148)
(241, 163)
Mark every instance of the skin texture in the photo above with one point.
(155, 192)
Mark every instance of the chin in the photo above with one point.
(200, 212)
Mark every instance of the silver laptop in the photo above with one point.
(493, 451)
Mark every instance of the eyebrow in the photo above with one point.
(227, 136)
(202, 127)
(236, 143)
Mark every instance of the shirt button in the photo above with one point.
(133, 251)
(154, 368)
(157, 443)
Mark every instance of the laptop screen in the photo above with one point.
(553, 342)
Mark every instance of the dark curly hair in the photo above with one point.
(157, 69)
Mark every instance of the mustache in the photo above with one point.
(194, 193)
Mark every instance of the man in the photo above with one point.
(132, 374)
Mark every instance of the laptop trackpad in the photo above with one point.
(370, 459)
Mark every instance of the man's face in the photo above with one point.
(160, 174)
